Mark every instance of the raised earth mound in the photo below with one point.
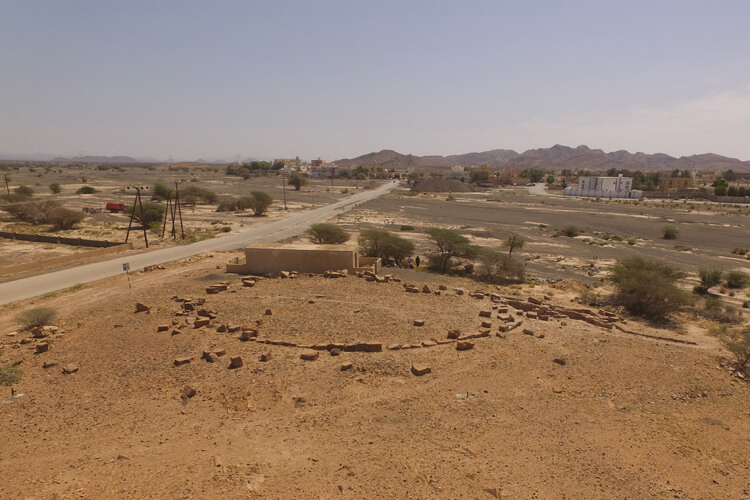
(403, 386)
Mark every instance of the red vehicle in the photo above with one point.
(116, 207)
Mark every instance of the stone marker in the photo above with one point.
(346, 365)
(418, 322)
(69, 368)
(182, 361)
(140, 307)
(162, 328)
(235, 362)
(42, 347)
(309, 355)
(464, 345)
(419, 370)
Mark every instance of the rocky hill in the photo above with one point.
(555, 157)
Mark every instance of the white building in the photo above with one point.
(604, 187)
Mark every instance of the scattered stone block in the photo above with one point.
(442, 287)
(199, 323)
(412, 290)
(534, 300)
(265, 356)
(335, 351)
(419, 369)
(141, 307)
(188, 392)
(42, 347)
(502, 310)
(49, 364)
(235, 362)
(373, 347)
(222, 328)
(220, 352)
(495, 297)
(426, 289)
(176, 331)
(477, 295)
(527, 331)
(346, 365)
(460, 291)
(429, 343)
(560, 361)
(182, 361)
(486, 324)
(464, 345)
(394, 347)
(309, 355)
(269, 312)
(485, 314)
(162, 328)
(454, 334)
(70, 369)
(531, 315)
(248, 334)
(209, 356)
(418, 322)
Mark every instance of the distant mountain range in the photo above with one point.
(556, 157)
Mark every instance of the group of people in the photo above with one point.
(408, 263)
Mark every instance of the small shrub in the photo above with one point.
(198, 194)
(227, 205)
(161, 191)
(647, 288)
(63, 219)
(151, 213)
(37, 316)
(738, 343)
(225, 229)
(23, 190)
(450, 198)
(9, 375)
(405, 227)
(327, 234)
(709, 278)
(55, 187)
(670, 232)
(85, 190)
(499, 268)
(631, 241)
(739, 251)
(736, 279)
(570, 231)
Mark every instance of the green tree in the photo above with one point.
(162, 191)
(86, 190)
(259, 202)
(533, 174)
(720, 186)
(514, 242)
(152, 213)
(449, 244)
(55, 188)
(386, 245)
(647, 288)
(297, 181)
(327, 234)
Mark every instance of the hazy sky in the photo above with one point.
(216, 79)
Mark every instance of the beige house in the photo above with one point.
(264, 258)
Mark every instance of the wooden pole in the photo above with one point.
(179, 209)
(132, 216)
(166, 211)
(143, 219)
(283, 185)
(7, 187)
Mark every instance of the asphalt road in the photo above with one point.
(13, 291)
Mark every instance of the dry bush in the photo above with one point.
(63, 218)
(37, 316)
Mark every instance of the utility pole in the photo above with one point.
(283, 186)
(179, 209)
(7, 187)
